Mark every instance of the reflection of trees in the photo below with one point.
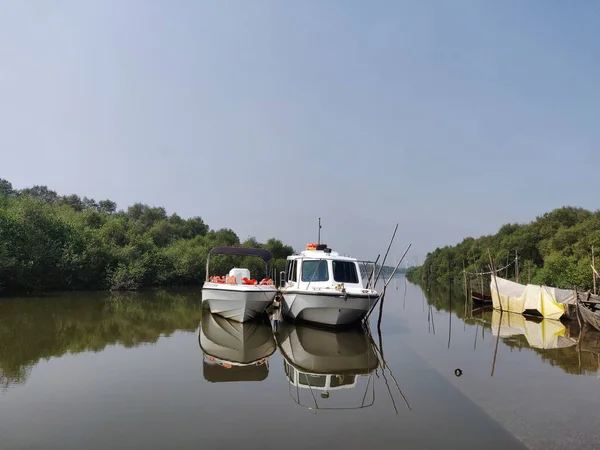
(583, 358)
(569, 359)
(36, 328)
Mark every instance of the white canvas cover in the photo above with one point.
(546, 334)
(550, 302)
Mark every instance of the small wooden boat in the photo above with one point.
(589, 310)
(478, 297)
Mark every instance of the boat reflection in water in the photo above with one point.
(318, 362)
(540, 333)
(235, 351)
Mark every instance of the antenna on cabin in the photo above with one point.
(319, 241)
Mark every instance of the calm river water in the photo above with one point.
(153, 371)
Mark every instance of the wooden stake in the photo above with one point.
(450, 315)
(497, 340)
(385, 257)
(481, 280)
(372, 273)
(381, 297)
(493, 269)
(466, 288)
(397, 265)
(594, 271)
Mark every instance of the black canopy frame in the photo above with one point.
(262, 253)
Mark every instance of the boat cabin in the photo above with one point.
(319, 266)
(324, 382)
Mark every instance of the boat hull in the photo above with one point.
(234, 342)
(326, 309)
(322, 351)
(589, 316)
(238, 303)
(481, 298)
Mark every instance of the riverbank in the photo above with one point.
(51, 242)
(556, 249)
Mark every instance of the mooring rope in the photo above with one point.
(491, 272)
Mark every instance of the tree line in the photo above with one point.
(54, 242)
(554, 250)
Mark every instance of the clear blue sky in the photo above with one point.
(449, 118)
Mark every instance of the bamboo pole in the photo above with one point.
(381, 297)
(493, 269)
(496, 347)
(385, 257)
(450, 315)
(397, 266)
(384, 366)
(594, 270)
(481, 282)
(466, 288)
(373, 272)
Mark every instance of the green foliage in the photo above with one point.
(554, 249)
(6, 187)
(52, 242)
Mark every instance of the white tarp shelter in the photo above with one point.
(550, 302)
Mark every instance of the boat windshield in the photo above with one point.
(345, 272)
(341, 380)
(315, 270)
(312, 380)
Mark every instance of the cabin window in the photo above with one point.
(292, 275)
(312, 380)
(315, 270)
(345, 272)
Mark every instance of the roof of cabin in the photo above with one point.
(320, 254)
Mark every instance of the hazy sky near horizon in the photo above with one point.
(449, 118)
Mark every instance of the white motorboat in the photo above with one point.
(317, 359)
(237, 296)
(322, 287)
(234, 351)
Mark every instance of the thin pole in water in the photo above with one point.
(385, 257)
(493, 269)
(594, 270)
